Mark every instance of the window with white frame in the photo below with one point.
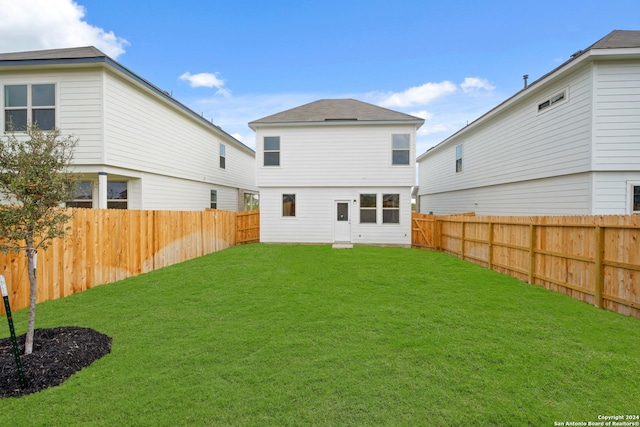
(459, 158)
(368, 208)
(214, 199)
(29, 103)
(400, 149)
(271, 152)
(289, 205)
(634, 190)
(223, 158)
(117, 195)
(390, 208)
(82, 196)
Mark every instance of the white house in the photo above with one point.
(568, 143)
(336, 171)
(138, 147)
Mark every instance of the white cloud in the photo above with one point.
(210, 80)
(50, 24)
(423, 114)
(472, 84)
(418, 95)
(203, 80)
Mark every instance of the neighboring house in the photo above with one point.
(569, 143)
(138, 147)
(336, 171)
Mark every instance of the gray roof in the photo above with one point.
(66, 53)
(618, 39)
(337, 110)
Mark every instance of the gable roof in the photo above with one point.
(92, 55)
(337, 110)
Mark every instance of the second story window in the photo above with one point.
(223, 158)
(401, 147)
(35, 103)
(271, 151)
(459, 158)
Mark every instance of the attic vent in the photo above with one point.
(553, 100)
(341, 120)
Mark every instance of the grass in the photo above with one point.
(263, 335)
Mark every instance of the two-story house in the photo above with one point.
(566, 144)
(139, 148)
(336, 171)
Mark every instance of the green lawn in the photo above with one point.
(270, 335)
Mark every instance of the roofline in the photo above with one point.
(567, 66)
(106, 60)
(255, 125)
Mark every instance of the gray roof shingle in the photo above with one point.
(66, 53)
(618, 39)
(346, 110)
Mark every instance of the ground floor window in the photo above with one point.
(117, 195)
(82, 196)
(214, 199)
(368, 208)
(288, 205)
(635, 198)
(391, 209)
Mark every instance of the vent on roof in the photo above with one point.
(340, 120)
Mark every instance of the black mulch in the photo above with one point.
(57, 354)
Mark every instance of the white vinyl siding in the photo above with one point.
(315, 215)
(78, 107)
(566, 195)
(335, 156)
(611, 192)
(617, 116)
(160, 192)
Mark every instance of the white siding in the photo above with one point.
(617, 116)
(78, 106)
(335, 156)
(168, 193)
(566, 195)
(148, 134)
(518, 144)
(611, 192)
(315, 214)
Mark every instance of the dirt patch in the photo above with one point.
(57, 354)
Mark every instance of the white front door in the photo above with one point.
(342, 223)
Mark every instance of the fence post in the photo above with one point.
(462, 239)
(490, 245)
(532, 252)
(599, 270)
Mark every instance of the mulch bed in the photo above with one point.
(57, 354)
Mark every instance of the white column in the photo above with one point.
(102, 190)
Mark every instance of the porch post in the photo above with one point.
(102, 190)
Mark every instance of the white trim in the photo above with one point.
(630, 192)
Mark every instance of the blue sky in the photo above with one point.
(236, 61)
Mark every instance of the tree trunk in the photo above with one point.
(33, 294)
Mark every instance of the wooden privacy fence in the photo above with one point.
(595, 259)
(104, 246)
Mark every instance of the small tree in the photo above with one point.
(34, 181)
